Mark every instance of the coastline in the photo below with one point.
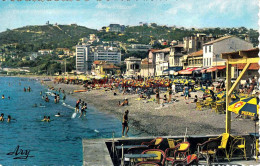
(149, 118)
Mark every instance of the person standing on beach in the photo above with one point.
(125, 124)
(170, 93)
(157, 95)
(186, 92)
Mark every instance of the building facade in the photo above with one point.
(108, 56)
(195, 43)
(213, 49)
(83, 58)
(133, 66)
(161, 61)
(176, 52)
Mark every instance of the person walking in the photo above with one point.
(125, 127)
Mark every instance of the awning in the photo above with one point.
(211, 69)
(187, 71)
(198, 70)
(171, 70)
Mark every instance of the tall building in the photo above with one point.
(83, 58)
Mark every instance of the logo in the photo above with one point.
(247, 113)
(239, 104)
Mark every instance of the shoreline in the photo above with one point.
(150, 119)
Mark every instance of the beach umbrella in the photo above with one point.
(200, 89)
(222, 95)
(245, 106)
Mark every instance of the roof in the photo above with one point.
(198, 53)
(163, 50)
(99, 62)
(252, 66)
(110, 66)
(211, 69)
(250, 53)
(218, 40)
(187, 71)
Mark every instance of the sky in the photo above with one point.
(98, 13)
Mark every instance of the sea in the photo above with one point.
(27, 140)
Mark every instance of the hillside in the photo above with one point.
(33, 38)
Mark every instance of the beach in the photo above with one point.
(151, 118)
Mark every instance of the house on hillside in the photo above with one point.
(45, 51)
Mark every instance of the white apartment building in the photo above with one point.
(161, 61)
(82, 52)
(108, 56)
(213, 49)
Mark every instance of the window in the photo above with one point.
(205, 49)
(209, 48)
(209, 61)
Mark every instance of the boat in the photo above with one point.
(79, 91)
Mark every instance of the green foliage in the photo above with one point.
(30, 39)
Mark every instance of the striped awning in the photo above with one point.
(187, 71)
(211, 69)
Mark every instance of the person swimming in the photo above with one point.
(9, 97)
(58, 115)
(29, 89)
(47, 99)
(9, 119)
(24, 89)
(44, 119)
(3, 96)
(48, 119)
(2, 117)
(35, 105)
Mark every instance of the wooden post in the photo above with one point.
(228, 96)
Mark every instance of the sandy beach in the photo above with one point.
(150, 118)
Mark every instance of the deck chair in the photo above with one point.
(160, 159)
(172, 142)
(179, 152)
(208, 150)
(154, 144)
(223, 145)
(238, 143)
(219, 108)
(198, 106)
(188, 161)
(147, 163)
(213, 107)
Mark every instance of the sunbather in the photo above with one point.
(125, 102)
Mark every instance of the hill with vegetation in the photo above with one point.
(19, 43)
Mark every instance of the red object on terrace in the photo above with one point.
(211, 69)
(187, 71)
